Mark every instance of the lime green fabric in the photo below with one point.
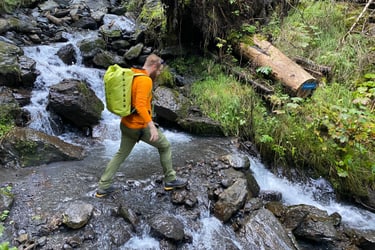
(118, 89)
(129, 137)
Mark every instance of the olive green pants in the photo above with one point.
(129, 137)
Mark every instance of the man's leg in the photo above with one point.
(129, 138)
(165, 153)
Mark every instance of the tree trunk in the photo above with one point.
(283, 68)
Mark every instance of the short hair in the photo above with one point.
(153, 59)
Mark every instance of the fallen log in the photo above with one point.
(313, 68)
(291, 75)
(246, 78)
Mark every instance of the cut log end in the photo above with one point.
(307, 88)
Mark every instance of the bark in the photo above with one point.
(283, 68)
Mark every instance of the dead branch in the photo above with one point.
(312, 67)
(246, 78)
(357, 20)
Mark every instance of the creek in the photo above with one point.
(42, 189)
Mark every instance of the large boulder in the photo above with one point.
(171, 107)
(262, 230)
(90, 47)
(24, 147)
(76, 103)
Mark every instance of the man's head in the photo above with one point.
(153, 65)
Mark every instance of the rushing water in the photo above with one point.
(317, 193)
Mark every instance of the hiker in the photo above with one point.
(139, 126)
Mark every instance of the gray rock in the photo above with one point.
(264, 231)
(168, 227)
(75, 102)
(24, 147)
(77, 214)
(231, 200)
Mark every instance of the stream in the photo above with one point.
(43, 189)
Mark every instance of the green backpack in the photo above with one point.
(118, 89)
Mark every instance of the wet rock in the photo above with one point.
(24, 147)
(252, 205)
(28, 71)
(4, 25)
(105, 58)
(119, 234)
(252, 184)
(10, 71)
(169, 104)
(120, 45)
(76, 103)
(168, 227)
(312, 224)
(262, 230)
(236, 161)
(90, 47)
(134, 52)
(86, 23)
(183, 197)
(364, 239)
(22, 96)
(74, 241)
(49, 5)
(318, 229)
(201, 126)
(77, 214)
(114, 26)
(294, 215)
(129, 215)
(368, 200)
(11, 113)
(231, 199)
(270, 195)
(67, 54)
(276, 207)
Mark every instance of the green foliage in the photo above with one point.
(264, 70)
(166, 77)
(5, 245)
(4, 128)
(315, 30)
(152, 15)
(224, 100)
(4, 214)
(9, 5)
(333, 132)
(248, 29)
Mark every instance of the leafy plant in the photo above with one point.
(265, 70)
(5, 245)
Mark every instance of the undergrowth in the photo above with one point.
(330, 134)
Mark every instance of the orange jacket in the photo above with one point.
(141, 101)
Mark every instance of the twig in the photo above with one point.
(356, 21)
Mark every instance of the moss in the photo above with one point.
(166, 78)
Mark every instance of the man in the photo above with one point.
(139, 126)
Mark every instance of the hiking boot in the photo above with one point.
(177, 183)
(100, 193)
